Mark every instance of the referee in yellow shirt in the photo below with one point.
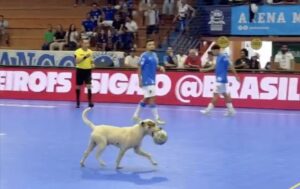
(84, 66)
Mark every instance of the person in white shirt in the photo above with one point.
(152, 20)
(181, 57)
(72, 38)
(284, 59)
(168, 7)
(131, 25)
(184, 11)
(131, 60)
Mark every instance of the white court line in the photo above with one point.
(2, 134)
(295, 186)
(27, 106)
(183, 109)
(195, 110)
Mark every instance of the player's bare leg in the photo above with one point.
(152, 105)
(211, 105)
(139, 108)
(230, 110)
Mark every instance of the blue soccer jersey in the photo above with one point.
(88, 25)
(95, 14)
(148, 63)
(222, 64)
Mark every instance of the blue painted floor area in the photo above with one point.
(42, 142)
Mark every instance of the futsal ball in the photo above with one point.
(160, 137)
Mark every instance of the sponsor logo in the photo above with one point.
(50, 82)
(216, 20)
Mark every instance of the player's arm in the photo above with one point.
(140, 75)
(161, 68)
(231, 66)
(211, 68)
(92, 61)
(78, 59)
(293, 64)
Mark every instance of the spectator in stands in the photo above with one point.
(88, 27)
(132, 27)
(131, 60)
(144, 5)
(95, 13)
(117, 23)
(269, 65)
(170, 60)
(185, 11)
(59, 39)
(72, 38)
(101, 40)
(126, 40)
(193, 60)
(243, 61)
(181, 57)
(210, 60)
(168, 7)
(282, 1)
(77, 2)
(4, 36)
(284, 59)
(48, 38)
(254, 63)
(111, 40)
(152, 21)
(109, 14)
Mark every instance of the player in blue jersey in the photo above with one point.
(221, 71)
(148, 65)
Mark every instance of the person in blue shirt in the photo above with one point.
(88, 24)
(95, 13)
(221, 70)
(109, 13)
(147, 67)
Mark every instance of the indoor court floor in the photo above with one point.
(41, 144)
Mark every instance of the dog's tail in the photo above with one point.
(86, 120)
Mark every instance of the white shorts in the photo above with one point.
(220, 88)
(149, 91)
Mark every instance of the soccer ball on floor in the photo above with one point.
(160, 137)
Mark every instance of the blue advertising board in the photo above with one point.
(269, 20)
(56, 58)
(211, 20)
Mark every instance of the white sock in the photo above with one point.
(154, 112)
(138, 109)
(229, 106)
(210, 107)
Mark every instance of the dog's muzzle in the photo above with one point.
(156, 131)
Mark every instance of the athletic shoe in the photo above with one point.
(160, 122)
(230, 112)
(136, 119)
(91, 105)
(205, 111)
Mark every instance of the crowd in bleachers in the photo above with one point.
(228, 2)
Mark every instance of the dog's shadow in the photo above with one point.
(125, 175)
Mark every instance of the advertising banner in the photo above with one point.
(276, 91)
(56, 58)
(269, 20)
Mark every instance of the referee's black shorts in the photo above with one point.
(83, 76)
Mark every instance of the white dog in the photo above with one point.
(122, 137)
